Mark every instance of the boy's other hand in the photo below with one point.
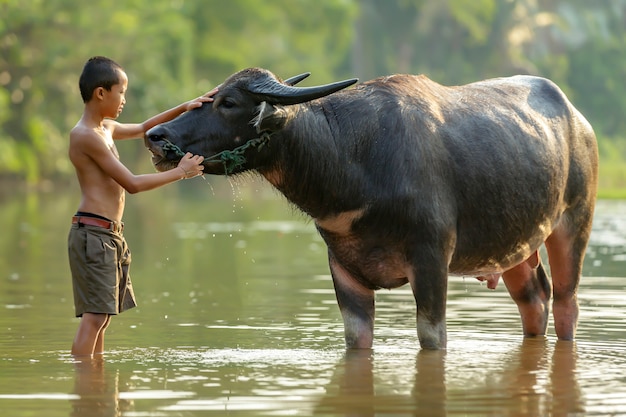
(197, 102)
(191, 165)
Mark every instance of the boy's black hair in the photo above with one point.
(99, 71)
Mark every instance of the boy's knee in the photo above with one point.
(97, 320)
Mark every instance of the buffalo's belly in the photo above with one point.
(475, 257)
(487, 267)
(387, 267)
(378, 261)
(384, 269)
(379, 269)
(490, 263)
(375, 268)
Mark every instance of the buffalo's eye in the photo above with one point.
(227, 103)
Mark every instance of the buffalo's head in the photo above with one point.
(245, 110)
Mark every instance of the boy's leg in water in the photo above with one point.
(99, 349)
(89, 331)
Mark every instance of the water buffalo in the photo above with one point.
(409, 181)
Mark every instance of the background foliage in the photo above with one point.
(174, 50)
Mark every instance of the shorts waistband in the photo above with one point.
(93, 221)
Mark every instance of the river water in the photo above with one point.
(237, 316)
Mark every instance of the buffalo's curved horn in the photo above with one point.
(296, 78)
(272, 91)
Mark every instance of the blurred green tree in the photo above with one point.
(176, 49)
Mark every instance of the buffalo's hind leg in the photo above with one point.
(356, 304)
(529, 287)
(566, 250)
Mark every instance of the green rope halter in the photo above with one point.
(230, 159)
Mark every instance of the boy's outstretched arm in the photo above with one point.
(88, 148)
(136, 130)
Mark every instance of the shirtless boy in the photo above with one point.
(98, 254)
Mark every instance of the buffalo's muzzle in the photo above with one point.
(155, 136)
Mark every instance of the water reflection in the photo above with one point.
(355, 385)
(96, 390)
(352, 388)
(237, 315)
(533, 380)
(566, 392)
(101, 389)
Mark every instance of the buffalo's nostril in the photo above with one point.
(155, 138)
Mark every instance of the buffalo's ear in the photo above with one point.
(270, 118)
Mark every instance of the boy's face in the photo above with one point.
(113, 101)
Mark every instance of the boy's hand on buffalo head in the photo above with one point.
(191, 165)
(199, 101)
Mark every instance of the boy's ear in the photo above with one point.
(98, 93)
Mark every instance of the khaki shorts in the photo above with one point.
(99, 261)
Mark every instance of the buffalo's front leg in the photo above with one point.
(356, 304)
(429, 287)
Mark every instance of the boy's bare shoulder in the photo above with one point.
(86, 139)
(81, 132)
